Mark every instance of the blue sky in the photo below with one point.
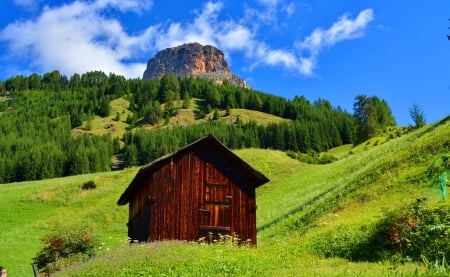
(334, 50)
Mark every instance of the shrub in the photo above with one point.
(89, 185)
(440, 165)
(117, 118)
(326, 159)
(341, 242)
(312, 157)
(61, 246)
(417, 232)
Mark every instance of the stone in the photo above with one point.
(192, 59)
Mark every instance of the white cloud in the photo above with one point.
(203, 29)
(125, 5)
(304, 56)
(284, 58)
(80, 37)
(289, 9)
(77, 38)
(235, 37)
(273, 13)
(343, 29)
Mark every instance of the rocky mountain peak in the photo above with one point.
(192, 59)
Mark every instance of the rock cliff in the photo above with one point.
(192, 59)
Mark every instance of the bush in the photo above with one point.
(89, 185)
(342, 242)
(417, 232)
(117, 118)
(63, 245)
(327, 159)
(312, 157)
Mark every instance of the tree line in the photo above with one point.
(38, 114)
(144, 146)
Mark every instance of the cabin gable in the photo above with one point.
(197, 191)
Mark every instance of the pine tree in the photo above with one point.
(216, 115)
(371, 114)
(417, 116)
(186, 101)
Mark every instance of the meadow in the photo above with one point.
(308, 216)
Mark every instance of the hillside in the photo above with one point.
(54, 126)
(116, 123)
(298, 212)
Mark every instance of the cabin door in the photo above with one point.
(140, 227)
(215, 211)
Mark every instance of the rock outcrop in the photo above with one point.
(192, 59)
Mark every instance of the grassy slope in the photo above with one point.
(31, 209)
(108, 125)
(299, 204)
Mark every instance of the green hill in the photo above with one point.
(116, 125)
(54, 125)
(304, 214)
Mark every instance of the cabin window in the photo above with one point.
(217, 194)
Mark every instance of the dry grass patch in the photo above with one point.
(247, 115)
(107, 125)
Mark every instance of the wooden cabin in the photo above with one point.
(200, 190)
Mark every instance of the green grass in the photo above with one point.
(383, 136)
(32, 209)
(107, 125)
(247, 115)
(340, 151)
(301, 204)
(180, 259)
(188, 116)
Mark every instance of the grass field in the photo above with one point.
(297, 209)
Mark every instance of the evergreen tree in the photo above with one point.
(254, 102)
(213, 96)
(216, 115)
(52, 80)
(153, 113)
(384, 116)
(75, 82)
(104, 109)
(228, 111)
(230, 99)
(417, 116)
(2, 88)
(34, 81)
(169, 89)
(371, 114)
(131, 155)
(186, 101)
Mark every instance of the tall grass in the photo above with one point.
(183, 259)
(30, 210)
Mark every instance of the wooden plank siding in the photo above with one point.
(200, 190)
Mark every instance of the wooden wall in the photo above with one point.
(191, 195)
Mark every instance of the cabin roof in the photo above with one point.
(257, 177)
